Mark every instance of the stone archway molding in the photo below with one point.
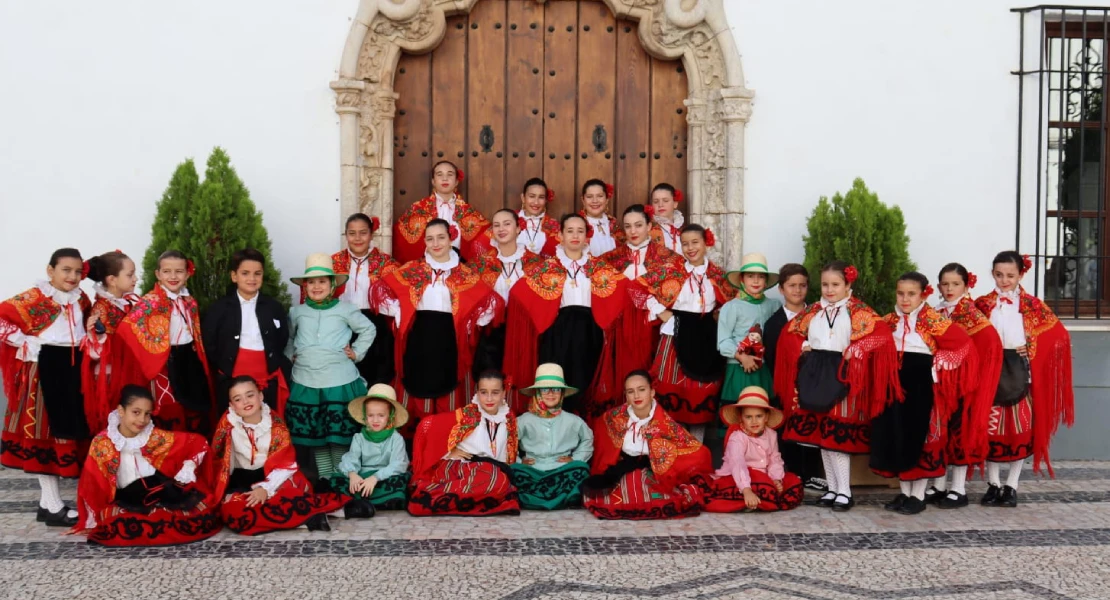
(718, 107)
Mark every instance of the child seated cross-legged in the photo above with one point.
(753, 476)
(256, 477)
(139, 486)
(374, 473)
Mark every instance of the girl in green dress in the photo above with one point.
(738, 316)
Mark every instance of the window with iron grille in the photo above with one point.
(1062, 102)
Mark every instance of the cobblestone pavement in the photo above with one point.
(1055, 545)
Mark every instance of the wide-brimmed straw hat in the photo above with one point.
(319, 265)
(753, 396)
(549, 375)
(752, 263)
(379, 391)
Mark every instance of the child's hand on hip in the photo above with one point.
(350, 353)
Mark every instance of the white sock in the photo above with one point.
(917, 488)
(830, 472)
(49, 496)
(697, 431)
(843, 465)
(941, 483)
(1015, 473)
(905, 485)
(959, 480)
(994, 473)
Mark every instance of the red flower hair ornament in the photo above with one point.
(521, 223)
(850, 274)
(84, 270)
(589, 230)
(649, 210)
(460, 175)
(928, 291)
(190, 267)
(710, 239)
(550, 195)
(508, 383)
(453, 231)
(972, 279)
(375, 224)
(1026, 263)
(609, 191)
(679, 196)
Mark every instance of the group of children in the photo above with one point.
(390, 385)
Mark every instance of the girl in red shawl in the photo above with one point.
(608, 232)
(460, 461)
(41, 339)
(540, 232)
(255, 473)
(428, 298)
(937, 366)
(1035, 388)
(637, 336)
(967, 429)
(834, 363)
(645, 466)
(687, 367)
(667, 220)
(446, 204)
(163, 333)
(566, 313)
(139, 486)
(108, 366)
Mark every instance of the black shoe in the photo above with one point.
(816, 483)
(60, 518)
(912, 506)
(825, 501)
(358, 508)
(1008, 499)
(991, 497)
(953, 500)
(42, 513)
(318, 523)
(895, 504)
(843, 506)
(933, 495)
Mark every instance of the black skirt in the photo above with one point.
(491, 350)
(898, 434)
(242, 480)
(573, 341)
(378, 364)
(695, 344)
(819, 386)
(60, 378)
(431, 358)
(157, 491)
(1013, 386)
(188, 379)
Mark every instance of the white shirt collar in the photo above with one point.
(449, 264)
(912, 315)
(1012, 294)
(261, 426)
(638, 421)
(500, 417)
(364, 256)
(102, 292)
(512, 257)
(640, 247)
(59, 296)
(944, 304)
(839, 304)
(566, 260)
(603, 219)
(448, 200)
(700, 270)
(243, 300)
(172, 296)
(125, 443)
(677, 220)
(540, 216)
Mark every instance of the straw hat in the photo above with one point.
(319, 265)
(379, 391)
(549, 375)
(755, 396)
(752, 263)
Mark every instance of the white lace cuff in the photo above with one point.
(276, 479)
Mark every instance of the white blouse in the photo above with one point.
(532, 237)
(436, 296)
(636, 268)
(512, 269)
(250, 336)
(697, 296)
(445, 209)
(602, 241)
(357, 290)
(946, 308)
(246, 437)
(1006, 318)
(577, 290)
(906, 337)
(181, 330)
(133, 466)
(671, 239)
(69, 328)
(836, 337)
(490, 438)
(634, 442)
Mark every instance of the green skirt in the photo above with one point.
(736, 380)
(550, 490)
(318, 416)
(389, 494)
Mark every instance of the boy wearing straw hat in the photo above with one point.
(555, 445)
(753, 476)
(325, 377)
(375, 471)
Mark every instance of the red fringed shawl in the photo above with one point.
(408, 231)
(438, 435)
(1049, 351)
(675, 455)
(955, 363)
(146, 332)
(376, 262)
(117, 366)
(29, 313)
(977, 405)
(280, 454)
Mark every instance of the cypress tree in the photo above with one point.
(170, 218)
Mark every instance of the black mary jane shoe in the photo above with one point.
(933, 495)
(318, 523)
(843, 506)
(1008, 498)
(825, 501)
(912, 506)
(60, 518)
(991, 497)
(953, 500)
(358, 508)
(896, 504)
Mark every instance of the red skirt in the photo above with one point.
(686, 400)
(292, 505)
(424, 407)
(1010, 431)
(253, 363)
(457, 487)
(26, 442)
(640, 497)
(846, 427)
(723, 496)
(160, 527)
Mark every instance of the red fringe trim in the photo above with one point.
(521, 342)
(872, 371)
(1053, 396)
(977, 406)
(954, 383)
(786, 368)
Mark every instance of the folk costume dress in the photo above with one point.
(540, 234)
(408, 231)
(667, 232)
(937, 366)
(108, 366)
(607, 233)
(261, 455)
(481, 486)
(1025, 415)
(325, 379)
(501, 273)
(377, 366)
(637, 335)
(648, 468)
(379, 454)
(752, 462)
(248, 337)
(143, 490)
(735, 322)
(163, 334)
(566, 313)
(45, 429)
(546, 435)
(438, 309)
(687, 369)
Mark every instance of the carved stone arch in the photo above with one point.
(718, 106)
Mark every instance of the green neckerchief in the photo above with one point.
(377, 436)
(746, 297)
(326, 304)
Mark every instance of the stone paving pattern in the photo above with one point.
(1055, 545)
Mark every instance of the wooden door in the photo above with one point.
(560, 90)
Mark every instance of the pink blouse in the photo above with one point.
(743, 452)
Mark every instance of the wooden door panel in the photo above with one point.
(597, 68)
(668, 125)
(485, 132)
(449, 94)
(560, 102)
(524, 106)
(633, 130)
(412, 130)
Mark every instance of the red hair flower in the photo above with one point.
(972, 279)
(850, 274)
(460, 175)
(508, 383)
(453, 231)
(928, 291)
(679, 196)
(589, 230)
(609, 191)
(521, 223)
(1026, 263)
(550, 195)
(190, 268)
(375, 224)
(710, 239)
(84, 269)
(649, 210)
